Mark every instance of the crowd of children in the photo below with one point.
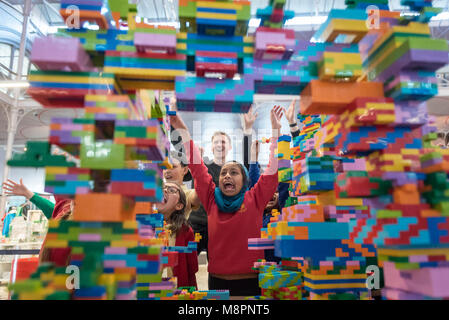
(228, 203)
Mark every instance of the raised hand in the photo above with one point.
(290, 114)
(17, 189)
(276, 116)
(255, 148)
(249, 119)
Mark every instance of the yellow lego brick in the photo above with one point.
(107, 279)
(334, 276)
(68, 79)
(349, 202)
(218, 5)
(337, 27)
(410, 252)
(124, 243)
(248, 50)
(56, 170)
(340, 64)
(248, 39)
(124, 277)
(414, 152)
(385, 118)
(130, 224)
(377, 106)
(334, 285)
(59, 280)
(56, 243)
(48, 276)
(146, 72)
(219, 16)
(181, 35)
(132, 20)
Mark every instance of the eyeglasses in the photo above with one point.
(171, 190)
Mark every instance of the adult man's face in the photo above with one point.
(220, 146)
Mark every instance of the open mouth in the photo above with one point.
(228, 186)
(168, 176)
(165, 198)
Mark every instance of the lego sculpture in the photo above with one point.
(366, 179)
(114, 238)
(366, 186)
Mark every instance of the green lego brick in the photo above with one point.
(102, 154)
(30, 285)
(382, 214)
(37, 155)
(59, 295)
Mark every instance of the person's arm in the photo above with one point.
(43, 204)
(290, 115)
(19, 189)
(268, 181)
(254, 168)
(248, 122)
(195, 201)
(204, 184)
(254, 174)
(246, 143)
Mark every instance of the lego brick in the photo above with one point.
(321, 97)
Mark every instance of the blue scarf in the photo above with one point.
(231, 204)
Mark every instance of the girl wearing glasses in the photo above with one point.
(173, 208)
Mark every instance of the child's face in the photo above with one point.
(177, 173)
(171, 200)
(231, 179)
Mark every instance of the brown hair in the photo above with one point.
(177, 218)
(220, 133)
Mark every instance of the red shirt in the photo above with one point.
(229, 232)
(187, 265)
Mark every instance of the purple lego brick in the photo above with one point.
(61, 54)
(415, 59)
(137, 123)
(411, 113)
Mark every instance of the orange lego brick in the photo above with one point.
(103, 208)
(406, 194)
(85, 15)
(301, 233)
(143, 208)
(321, 97)
(339, 253)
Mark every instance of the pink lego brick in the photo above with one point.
(60, 54)
(276, 44)
(155, 42)
(357, 165)
(395, 294)
(89, 237)
(432, 282)
(114, 263)
(114, 250)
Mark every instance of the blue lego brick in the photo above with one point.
(96, 291)
(313, 249)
